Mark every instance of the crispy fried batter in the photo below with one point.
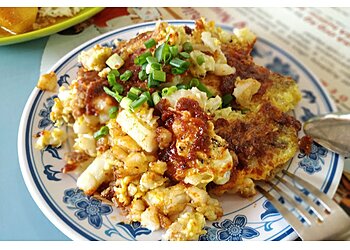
(263, 141)
(280, 91)
(89, 91)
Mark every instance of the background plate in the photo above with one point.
(81, 217)
(80, 17)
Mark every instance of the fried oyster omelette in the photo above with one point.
(172, 118)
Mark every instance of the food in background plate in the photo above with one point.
(171, 118)
(18, 20)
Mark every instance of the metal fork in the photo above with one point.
(312, 214)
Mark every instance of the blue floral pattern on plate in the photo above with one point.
(53, 151)
(49, 170)
(230, 230)
(51, 173)
(237, 229)
(87, 207)
(307, 114)
(92, 209)
(63, 80)
(308, 95)
(72, 195)
(270, 210)
(283, 68)
(313, 162)
(133, 229)
(44, 113)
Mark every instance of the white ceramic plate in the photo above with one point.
(81, 217)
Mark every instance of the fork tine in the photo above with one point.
(301, 210)
(292, 220)
(316, 209)
(322, 197)
(335, 224)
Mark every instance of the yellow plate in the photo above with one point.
(82, 16)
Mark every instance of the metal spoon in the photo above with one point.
(331, 131)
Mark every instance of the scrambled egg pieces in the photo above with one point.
(189, 226)
(54, 138)
(95, 59)
(157, 162)
(47, 82)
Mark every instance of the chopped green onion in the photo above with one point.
(141, 59)
(156, 66)
(132, 96)
(196, 83)
(177, 71)
(156, 98)
(182, 86)
(149, 98)
(118, 88)
(118, 98)
(113, 94)
(187, 46)
(150, 43)
(144, 66)
(102, 132)
(151, 59)
(114, 61)
(109, 92)
(203, 88)
(113, 83)
(167, 38)
(159, 52)
(153, 66)
(113, 112)
(151, 83)
(200, 59)
(137, 103)
(186, 65)
(174, 50)
(126, 75)
(169, 91)
(135, 90)
(125, 103)
(172, 89)
(166, 57)
(111, 79)
(149, 69)
(142, 75)
(162, 52)
(114, 72)
(159, 75)
(178, 63)
(226, 100)
(184, 55)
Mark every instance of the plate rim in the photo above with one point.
(42, 203)
(49, 30)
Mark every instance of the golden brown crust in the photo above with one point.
(89, 91)
(258, 140)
